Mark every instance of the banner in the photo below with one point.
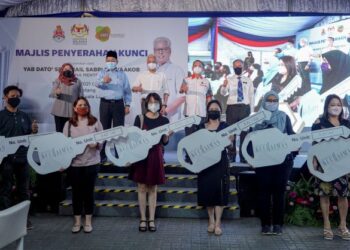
(33, 49)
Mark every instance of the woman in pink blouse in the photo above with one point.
(84, 167)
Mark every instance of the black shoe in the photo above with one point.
(277, 230)
(150, 228)
(143, 228)
(29, 225)
(266, 230)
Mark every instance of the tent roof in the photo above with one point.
(10, 3)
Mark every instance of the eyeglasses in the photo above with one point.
(161, 50)
(274, 100)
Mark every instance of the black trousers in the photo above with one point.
(83, 185)
(272, 183)
(51, 187)
(305, 74)
(111, 111)
(59, 122)
(235, 113)
(12, 173)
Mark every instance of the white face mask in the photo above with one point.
(153, 107)
(111, 65)
(334, 110)
(197, 70)
(152, 66)
(282, 70)
(271, 106)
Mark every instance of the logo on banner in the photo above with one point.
(58, 34)
(79, 33)
(103, 33)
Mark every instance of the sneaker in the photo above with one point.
(277, 230)
(266, 230)
(29, 225)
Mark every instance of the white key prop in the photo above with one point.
(56, 151)
(290, 89)
(271, 146)
(9, 145)
(333, 157)
(135, 146)
(204, 148)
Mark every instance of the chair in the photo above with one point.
(13, 224)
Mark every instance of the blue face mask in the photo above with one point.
(271, 106)
(279, 55)
(111, 65)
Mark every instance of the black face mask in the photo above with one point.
(238, 70)
(214, 114)
(68, 73)
(348, 39)
(14, 102)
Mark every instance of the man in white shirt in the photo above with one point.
(304, 59)
(198, 94)
(174, 74)
(240, 102)
(152, 81)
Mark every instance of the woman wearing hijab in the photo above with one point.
(65, 89)
(337, 70)
(272, 180)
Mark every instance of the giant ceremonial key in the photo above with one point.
(135, 146)
(332, 157)
(9, 145)
(204, 148)
(55, 151)
(271, 146)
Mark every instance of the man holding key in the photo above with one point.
(14, 122)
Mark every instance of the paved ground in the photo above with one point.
(53, 232)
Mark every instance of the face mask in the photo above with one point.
(152, 66)
(335, 110)
(153, 107)
(197, 70)
(68, 73)
(214, 114)
(111, 65)
(271, 106)
(13, 101)
(238, 70)
(282, 70)
(279, 55)
(82, 111)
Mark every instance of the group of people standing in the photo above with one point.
(73, 117)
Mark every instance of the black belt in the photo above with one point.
(111, 101)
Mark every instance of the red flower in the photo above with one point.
(293, 195)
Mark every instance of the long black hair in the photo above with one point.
(328, 100)
(210, 103)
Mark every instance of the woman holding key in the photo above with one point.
(214, 181)
(84, 167)
(272, 180)
(333, 117)
(149, 172)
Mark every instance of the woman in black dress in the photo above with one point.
(213, 182)
(333, 117)
(149, 172)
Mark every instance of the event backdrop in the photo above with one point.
(33, 49)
